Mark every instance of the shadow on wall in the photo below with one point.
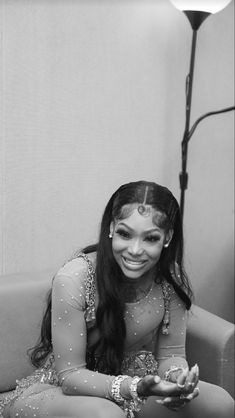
(219, 301)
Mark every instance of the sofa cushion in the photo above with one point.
(22, 301)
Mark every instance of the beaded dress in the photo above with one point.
(149, 348)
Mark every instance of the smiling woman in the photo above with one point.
(113, 333)
(138, 242)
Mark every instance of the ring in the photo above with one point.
(180, 386)
(182, 397)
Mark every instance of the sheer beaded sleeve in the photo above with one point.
(69, 333)
(171, 346)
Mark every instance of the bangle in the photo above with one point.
(115, 388)
(172, 369)
(133, 389)
(135, 404)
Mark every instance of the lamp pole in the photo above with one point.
(196, 18)
(184, 144)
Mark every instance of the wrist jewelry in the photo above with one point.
(135, 404)
(133, 389)
(115, 388)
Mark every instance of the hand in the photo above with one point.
(155, 386)
(187, 381)
(176, 402)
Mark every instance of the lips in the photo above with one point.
(133, 263)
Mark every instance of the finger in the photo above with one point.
(194, 394)
(149, 381)
(174, 401)
(192, 379)
(182, 379)
(169, 390)
(153, 385)
(156, 379)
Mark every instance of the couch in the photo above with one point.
(210, 339)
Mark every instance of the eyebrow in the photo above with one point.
(156, 229)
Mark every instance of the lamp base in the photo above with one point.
(196, 17)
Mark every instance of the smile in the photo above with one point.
(133, 263)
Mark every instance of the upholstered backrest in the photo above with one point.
(22, 302)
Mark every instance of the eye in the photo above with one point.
(152, 238)
(123, 233)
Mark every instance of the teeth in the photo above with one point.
(138, 263)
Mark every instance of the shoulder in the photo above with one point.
(76, 272)
(78, 266)
(71, 281)
(170, 295)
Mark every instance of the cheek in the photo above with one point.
(155, 253)
(118, 245)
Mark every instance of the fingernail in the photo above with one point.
(157, 379)
(195, 368)
(160, 401)
(166, 400)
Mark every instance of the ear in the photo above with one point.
(111, 229)
(168, 238)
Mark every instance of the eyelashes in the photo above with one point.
(127, 235)
(123, 233)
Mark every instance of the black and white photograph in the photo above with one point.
(117, 208)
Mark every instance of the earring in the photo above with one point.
(166, 245)
(110, 235)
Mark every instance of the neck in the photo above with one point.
(138, 289)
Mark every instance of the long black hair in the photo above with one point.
(110, 311)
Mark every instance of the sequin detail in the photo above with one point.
(139, 363)
(46, 374)
(90, 287)
(166, 290)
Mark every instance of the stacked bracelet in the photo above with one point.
(135, 404)
(133, 389)
(137, 400)
(115, 388)
(128, 405)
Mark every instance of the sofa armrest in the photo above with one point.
(210, 344)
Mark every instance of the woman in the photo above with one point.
(113, 335)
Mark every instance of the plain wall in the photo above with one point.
(92, 95)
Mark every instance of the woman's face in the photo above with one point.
(137, 243)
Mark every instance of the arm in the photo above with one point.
(69, 334)
(170, 348)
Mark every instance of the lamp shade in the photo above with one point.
(208, 6)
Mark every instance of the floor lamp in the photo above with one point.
(196, 11)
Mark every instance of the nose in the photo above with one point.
(135, 247)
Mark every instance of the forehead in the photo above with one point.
(141, 216)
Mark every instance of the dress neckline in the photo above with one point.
(144, 298)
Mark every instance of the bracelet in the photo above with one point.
(135, 404)
(133, 389)
(167, 374)
(115, 388)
